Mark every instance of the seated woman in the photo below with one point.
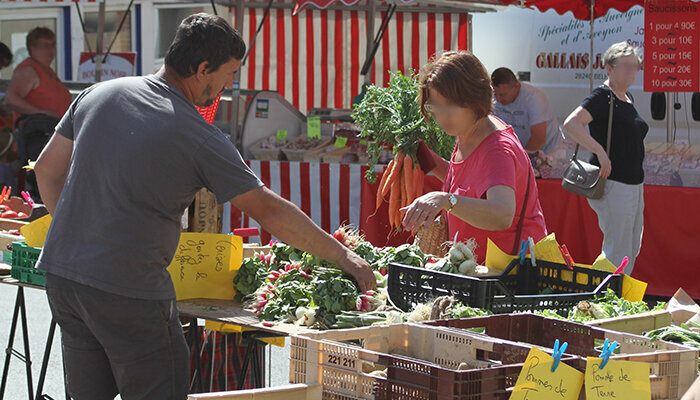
(38, 95)
(489, 188)
(35, 88)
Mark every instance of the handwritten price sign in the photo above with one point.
(671, 46)
(537, 381)
(204, 265)
(618, 380)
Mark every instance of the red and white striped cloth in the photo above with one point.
(314, 58)
(328, 193)
(52, 1)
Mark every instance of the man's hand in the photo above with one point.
(360, 270)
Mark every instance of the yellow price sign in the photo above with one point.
(537, 381)
(617, 380)
(204, 265)
(35, 232)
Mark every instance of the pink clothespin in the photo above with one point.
(621, 269)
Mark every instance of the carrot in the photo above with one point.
(408, 180)
(394, 199)
(404, 192)
(382, 183)
(398, 163)
(418, 177)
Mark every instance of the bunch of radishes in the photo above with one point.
(275, 275)
(349, 236)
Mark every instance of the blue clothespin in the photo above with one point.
(557, 353)
(531, 245)
(523, 251)
(608, 349)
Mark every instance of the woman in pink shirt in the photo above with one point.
(489, 188)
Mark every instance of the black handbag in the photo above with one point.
(583, 178)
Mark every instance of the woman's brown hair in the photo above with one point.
(462, 79)
(37, 34)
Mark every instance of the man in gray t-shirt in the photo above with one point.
(527, 110)
(125, 162)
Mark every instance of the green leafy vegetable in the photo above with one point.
(606, 305)
(459, 310)
(392, 117)
(334, 291)
(250, 276)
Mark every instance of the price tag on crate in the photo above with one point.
(617, 380)
(281, 135)
(537, 381)
(313, 127)
(341, 142)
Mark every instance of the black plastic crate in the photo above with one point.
(545, 276)
(520, 287)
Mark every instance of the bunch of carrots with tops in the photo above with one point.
(403, 183)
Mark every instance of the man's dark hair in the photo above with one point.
(203, 37)
(5, 55)
(503, 76)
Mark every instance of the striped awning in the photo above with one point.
(314, 59)
(52, 1)
(323, 4)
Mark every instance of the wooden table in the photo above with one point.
(232, 312)
(252, 331)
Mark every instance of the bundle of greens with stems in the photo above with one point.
(392, 117)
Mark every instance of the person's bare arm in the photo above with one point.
(23, 81)
(51, 169)
(495, 213)
(538, 137)
(575, 126)
(287, 222)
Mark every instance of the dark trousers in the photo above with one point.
(115, 344)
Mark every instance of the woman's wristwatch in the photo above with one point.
(453, 202)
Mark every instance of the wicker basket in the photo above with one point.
(432, 238)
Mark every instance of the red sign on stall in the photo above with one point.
(672, 46)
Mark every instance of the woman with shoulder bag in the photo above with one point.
(620, 208)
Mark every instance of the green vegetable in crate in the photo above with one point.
(251, 275)
(357, 319)
(459, 310)
(606, 305)
(587, 311)
(334, 291)
(687, 334)
(392, 116)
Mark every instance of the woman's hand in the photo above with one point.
(424, 209)
(605, 164)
